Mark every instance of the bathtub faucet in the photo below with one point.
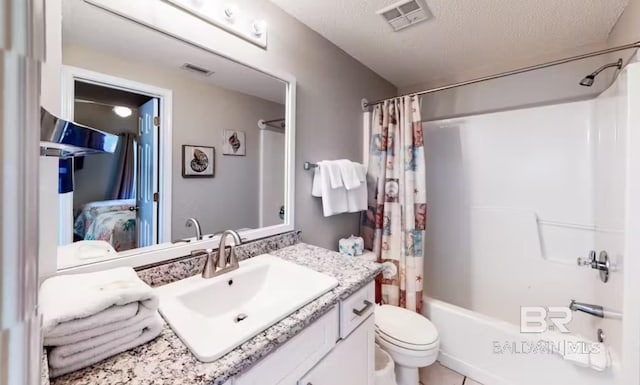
(594, 310)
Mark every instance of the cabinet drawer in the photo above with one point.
(291, 360)
(355, 309)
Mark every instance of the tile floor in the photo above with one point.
(437, 374)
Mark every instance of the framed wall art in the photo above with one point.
(198, 161)
(233, 143)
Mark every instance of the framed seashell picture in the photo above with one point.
(233, 143)
(198, 161)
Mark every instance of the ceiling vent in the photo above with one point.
(195, 69)
(404, 14)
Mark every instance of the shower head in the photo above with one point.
(588, 80)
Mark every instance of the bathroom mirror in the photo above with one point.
(200, 136)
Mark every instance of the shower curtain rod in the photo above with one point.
(262, 124)
(366, 104)
(274, 120)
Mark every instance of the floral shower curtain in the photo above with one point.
(394, 224)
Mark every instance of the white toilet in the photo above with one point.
(409, 338)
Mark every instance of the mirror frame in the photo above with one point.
(167, 251)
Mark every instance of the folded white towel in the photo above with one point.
(107, 321)
(357, 197)
(69, 358)
(335, 175)
(334, 200)
(349, 173)
(75, 303)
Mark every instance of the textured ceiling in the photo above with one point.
(463, 35)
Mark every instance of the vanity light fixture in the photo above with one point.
(122, 111)
(230, 12)
(228, 17)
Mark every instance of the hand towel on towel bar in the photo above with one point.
(80, 306)
(327, 183)
(69, 358)
(354, 179)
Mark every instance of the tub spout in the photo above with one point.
(594, 310)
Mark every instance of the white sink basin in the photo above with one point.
(213, 316)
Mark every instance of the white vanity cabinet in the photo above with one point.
(351, 362)
(336, 349)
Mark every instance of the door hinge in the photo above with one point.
(156, 120)
(156, 197)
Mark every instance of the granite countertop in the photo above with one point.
(166, 360)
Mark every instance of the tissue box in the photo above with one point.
(351, 247)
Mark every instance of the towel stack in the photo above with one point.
(342, 186)
(90, 317)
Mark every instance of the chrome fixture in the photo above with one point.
(601, 336)
(309, 165)
(64, 139)
(594, 310)
(279, 124)
(230, 262)
(366, 104)
(601, 263)
(209, 270)
(587, 81)
(220, 263)
(192, 222)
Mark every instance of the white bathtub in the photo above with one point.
(468, 345)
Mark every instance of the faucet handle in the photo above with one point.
(587, 261)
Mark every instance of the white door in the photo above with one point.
(148, 174)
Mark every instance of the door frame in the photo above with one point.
(71, 74)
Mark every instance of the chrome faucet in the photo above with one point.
(220, 263)
(225, 261)
(192, 222)
(594, 310)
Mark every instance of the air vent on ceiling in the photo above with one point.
(196, 69)
(405, 14)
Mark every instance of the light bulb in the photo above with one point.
(122, 111)
(258, 27)
(231, 12)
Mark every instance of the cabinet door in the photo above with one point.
(351, 362)
(290, 361)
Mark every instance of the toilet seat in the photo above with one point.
(406, 345)
(405, 329)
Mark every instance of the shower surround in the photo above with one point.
(515, 197)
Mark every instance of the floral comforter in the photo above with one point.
(109, 221)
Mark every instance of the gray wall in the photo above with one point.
(201, 112)
(330, 84)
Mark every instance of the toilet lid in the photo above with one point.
(405, 325)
